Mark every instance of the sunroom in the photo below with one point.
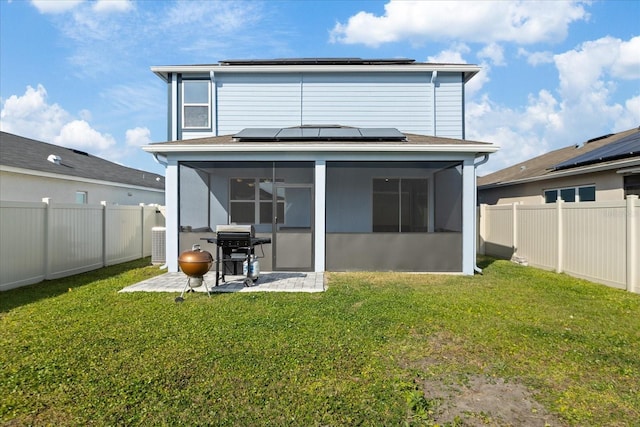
(330, 198)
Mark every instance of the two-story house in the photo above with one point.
(345, 163)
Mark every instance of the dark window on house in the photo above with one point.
(585, 193)
(399, 205)
(251, 201)
(632, 185)
(196, 97)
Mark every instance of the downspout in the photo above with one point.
(484, 160)
(434, 76)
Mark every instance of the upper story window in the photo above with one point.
(196, 104)
(585, 193)
(399, 205)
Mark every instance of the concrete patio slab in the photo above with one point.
(267, 282)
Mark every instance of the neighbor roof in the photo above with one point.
(607, 151)
(25, 153)
(388, 139)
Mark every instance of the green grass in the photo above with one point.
(76, 352)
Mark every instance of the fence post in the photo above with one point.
(632, 245)
(560, 237)
(142, 236)
(48, 238)
(514, 224)
(482, 228)
(104, 233)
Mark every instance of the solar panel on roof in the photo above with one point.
(319, 133)
(347, 133)
(625, 147)
(257, 133)
(298, 133)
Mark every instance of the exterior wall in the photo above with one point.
(401, 101)
(32, 188)
(246, 100)
(609, 187)
(449, 106)
(407, 101)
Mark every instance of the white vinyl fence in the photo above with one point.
(597, 241)
(48, 240)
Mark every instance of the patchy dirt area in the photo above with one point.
(484, 401)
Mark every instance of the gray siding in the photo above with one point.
(449, 106)
(247, 100)
(400, 100)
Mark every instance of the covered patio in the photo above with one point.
(330, 198)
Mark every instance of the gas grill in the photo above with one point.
(235, 249)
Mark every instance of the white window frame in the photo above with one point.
(196, 104)
(576, 190)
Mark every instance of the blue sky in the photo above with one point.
(76, 73)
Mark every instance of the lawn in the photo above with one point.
(374, 349)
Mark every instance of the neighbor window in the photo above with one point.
(81, 197)
(251, 201)
(399, 205)
(196, 101)
(585, 193)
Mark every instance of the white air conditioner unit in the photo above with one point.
(158, 245)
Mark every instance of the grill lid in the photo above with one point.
(236, 228)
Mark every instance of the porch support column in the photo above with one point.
(320, 217)
(172, 211)
(173, 108)
(468, 217)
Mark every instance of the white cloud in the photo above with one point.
(627, 63)
(31, 116)
(536, 58)
(582, 69)
(583, 105)
(138, 137)
(112, 6)
(493, 52)
(453, 55)
(79, 134)
(473, 21)
(55, 6)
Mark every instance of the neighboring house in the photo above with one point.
(347, 164)
(602, 169)
(31, 170)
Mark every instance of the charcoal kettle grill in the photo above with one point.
(195, 264)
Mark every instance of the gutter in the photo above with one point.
(484, 160)
(160, 159)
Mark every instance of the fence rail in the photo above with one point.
(40, 241)
(597, 241)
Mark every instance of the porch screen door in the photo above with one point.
(293, 225)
